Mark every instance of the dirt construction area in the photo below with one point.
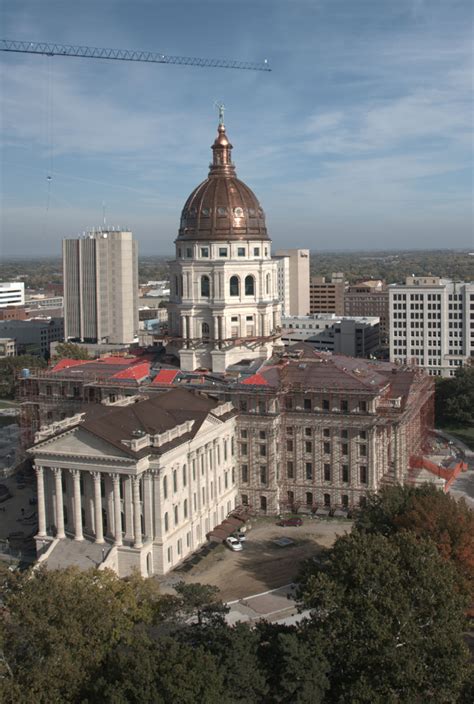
(262, 564)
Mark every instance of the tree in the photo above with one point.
(392, 619)
(429, 513)
(9, 368)
(454, 398)
(162, 671)
(60, 625)
(235, 649)
(200, 601)
(69, 350)
(295, 664)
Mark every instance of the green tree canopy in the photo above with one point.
(9, 368)
(69, 350)
(454, 399)
(392, 619)
(60, 626)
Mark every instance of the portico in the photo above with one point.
(148, 481)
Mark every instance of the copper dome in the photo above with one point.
(222, 207)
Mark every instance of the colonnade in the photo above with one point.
(113, 504)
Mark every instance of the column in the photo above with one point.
(99, 530)
(127, 507)
(41, 502)
(59, 504)
(147, 505)
(76, 475)
(109, 505)
(137, 518)
(117, 510)
(190, 327)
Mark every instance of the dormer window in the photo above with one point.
(222, 211)
(238, 212)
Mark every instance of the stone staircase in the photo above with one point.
(83, 554)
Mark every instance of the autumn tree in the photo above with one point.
(392, 619)
(429, 513)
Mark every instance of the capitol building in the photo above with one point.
(141, 460)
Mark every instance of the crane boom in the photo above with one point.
(88, 52)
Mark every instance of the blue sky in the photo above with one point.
(361, 137)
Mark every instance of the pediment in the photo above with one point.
(80, 443)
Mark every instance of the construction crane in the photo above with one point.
(88, 52)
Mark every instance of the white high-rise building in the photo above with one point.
(283, 283)
(224, 304)
(101, 287)
(432, 323)
(12, 293)
(299, 280)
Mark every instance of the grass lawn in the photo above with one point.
(466, 434)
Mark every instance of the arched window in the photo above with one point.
(249, 286)
(165, 487)
(205, 331)
(234, 286)
(205, 286)
(269, 283)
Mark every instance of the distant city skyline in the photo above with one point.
(359, 139)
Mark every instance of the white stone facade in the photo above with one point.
(223, 302)
(154, 509)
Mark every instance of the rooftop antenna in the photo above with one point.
(103, 213)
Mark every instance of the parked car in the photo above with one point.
(241, 536)
(290, 522)
(233, 543)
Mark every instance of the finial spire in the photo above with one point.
(221, 109)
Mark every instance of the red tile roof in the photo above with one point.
(256, 380)
(165, 376)
(136, 372)
(66, 363)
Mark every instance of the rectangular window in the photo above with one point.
(345, 448)
(325, 404)
(363, 474)
(222, 251)
(245, 500)
(327, 472)
(308, 432)
(309, 498)
(327, 432)
(363, 406)
(309, 470)
(243, 433)
(363, 450)
(307, 404)
(256, 251)
(204, 251)
(363, 435)
(262, 435)
(245, 473)
(289, 445)
(241, 251)
(344, 406)
(263, 474)
(290, 470)
(327, 448)
(345, 473)
(263, 450)
(344, 433)
(308, 446)
(243, 448)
